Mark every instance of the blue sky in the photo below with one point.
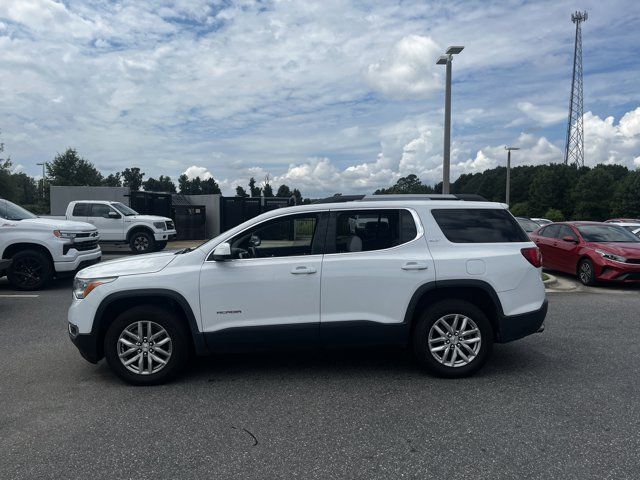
(329, 96)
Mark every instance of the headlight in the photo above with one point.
(611, 256)
(84, 286)
(61, 234)
(160, 225)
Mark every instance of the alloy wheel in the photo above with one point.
(586, 273)
(27, 271)
(144, 347)
(454, 340)
(141, 243)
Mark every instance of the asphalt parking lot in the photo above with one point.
(561, 404)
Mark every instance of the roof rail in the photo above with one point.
(469, 197)
(340, 199)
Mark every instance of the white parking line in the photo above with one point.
(19, 296)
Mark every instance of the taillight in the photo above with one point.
(533, 256)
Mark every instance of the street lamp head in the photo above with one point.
(442, 60)
(454, 50)
(511, 148)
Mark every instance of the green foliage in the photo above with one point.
(409, 184)
(241, 192)
(554, 215)
(298, 196)
(162, 184)
(112, 180)
(267, 191)
(626, 200)
(70, 169)
(592, 194)
(132, 178)
(197, 186)
(283, 191)
(520, 209)
(253, 190)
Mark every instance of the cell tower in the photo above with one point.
(574, 151)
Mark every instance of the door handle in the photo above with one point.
(415, 266)
(303, 270)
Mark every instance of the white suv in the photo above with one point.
(444, 276)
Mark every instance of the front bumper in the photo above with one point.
(611, 271)
(165, 235)
(85, 343)
(514, 327)
(78, 260)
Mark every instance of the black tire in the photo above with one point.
(179, 345)
(441, 310)
(30, 270)
(141, 241)
(586, 273)
(160, 246)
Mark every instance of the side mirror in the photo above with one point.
(222, 252)
(113, 214)
(255, 241)
(569, 239)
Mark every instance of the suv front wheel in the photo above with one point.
(146, 345)
(452, 339)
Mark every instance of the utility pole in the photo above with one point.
(42, 190)
(508, 186)
(446, 161)
(574, 149)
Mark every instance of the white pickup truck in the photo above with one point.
(118, 223)
(34, 250)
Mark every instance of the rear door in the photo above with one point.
(80, 212)
(375, 259)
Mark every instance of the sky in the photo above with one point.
(328, 96)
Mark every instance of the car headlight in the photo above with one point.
(160, 225)
(84, 286)
(61, 234)
(611, 256)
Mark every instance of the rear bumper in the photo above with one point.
(514, 327)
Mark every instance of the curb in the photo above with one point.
(552, 280)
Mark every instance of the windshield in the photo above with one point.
(126, 211)
(11, 211)
(606, 233)
(528, 225)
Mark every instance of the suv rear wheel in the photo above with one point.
(30, 270)
(146, 345)
(452, 339)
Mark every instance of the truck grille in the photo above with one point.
(81, 246)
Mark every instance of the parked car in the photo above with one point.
(528, 224)
(41, 248)
(623, 220)
(446, 277)
(632, 227)
(542, 221)
(591, 250)
(118, 223)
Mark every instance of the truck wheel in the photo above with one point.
(30, 270)
(147, 345)
(160, 246)
(452, 339)
(141, 242)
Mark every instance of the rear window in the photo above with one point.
(80, 210)
(479, 225)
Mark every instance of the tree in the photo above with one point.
(267, 191)
(241, 192)
(520, 209)
(70, 169)
(132, 178)
(298, 196)
(283, 191)
(162, 184)
(210, 186)
(112, 180)
(184, 185)
(592, 194)
(554, 215)
(253, 190)
(409, 184)
(627, 196)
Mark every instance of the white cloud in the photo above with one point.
(194, 171)
(543, 115)
(409, 70)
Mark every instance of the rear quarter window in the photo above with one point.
(479, 225)
(80, 210)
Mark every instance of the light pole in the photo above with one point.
(42, 190)
(508, 187)
(446, 162)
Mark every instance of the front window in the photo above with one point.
(606, 233)
(11, 211)
(123, 209)
(282, 237)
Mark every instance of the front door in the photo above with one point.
(110, 228)
(269, 293)
(374, 262)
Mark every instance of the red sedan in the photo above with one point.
(591, 250)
